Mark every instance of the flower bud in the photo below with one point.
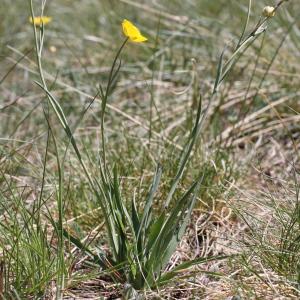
(269, 12)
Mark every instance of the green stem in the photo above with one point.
(104, 98)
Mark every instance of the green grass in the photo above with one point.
(149, 179)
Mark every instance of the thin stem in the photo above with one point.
(104, 98)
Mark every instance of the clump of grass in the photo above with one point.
(273, 237)
(29, 260)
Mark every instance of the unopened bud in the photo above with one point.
(269, 11)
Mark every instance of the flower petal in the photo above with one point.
(132, 32)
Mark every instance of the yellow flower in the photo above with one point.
(132, 32)
(40, 20)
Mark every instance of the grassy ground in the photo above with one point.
(242, 238)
